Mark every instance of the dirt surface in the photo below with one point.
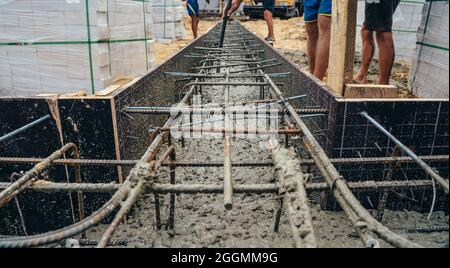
(290, 35)
(291, 41)
(164, 51)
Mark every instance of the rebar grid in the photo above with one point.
(157, 188)
(308, 162)
(237, 47)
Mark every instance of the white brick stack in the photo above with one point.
(407, 20)
(168, 20)
(48, 49)
(430, 71)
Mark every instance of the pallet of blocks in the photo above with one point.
(58, 46)
(168, 20)
(429, 73)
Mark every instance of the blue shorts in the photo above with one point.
(314, 8)
(193, 7)
(269, 5)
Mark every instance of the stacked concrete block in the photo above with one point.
(407, 19)
(430, 71)
(168, 20)
(180, 11)
(130, 21)
(52, 46)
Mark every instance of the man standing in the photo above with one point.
(235, 4)
(378, 18)
(318, 26)
(193, 11)
(269, 9)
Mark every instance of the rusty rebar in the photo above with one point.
(257, 68)
(231, 109)
(141, 180)
(430, 229)
(196, 75)
(234, 64)
(140, 171)
(384, 196)
(150, 155)
(429, 170)
(52, 187)
(172, 170)
(18, 186)
(14, 177)
(76, 155)
(124, 209)
(233, 131)
(309, 162)
(361, 218)
(170, 150)
(205, 56)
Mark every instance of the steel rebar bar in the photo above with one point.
(429, 170)
(52, 187)
(339, 186)
(19, 185)
(231, 109)
(309, 162)
(139, 172)
(227, 165)
(24, 128)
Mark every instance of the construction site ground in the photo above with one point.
(290, 40)
(244, 219)
(202, 221)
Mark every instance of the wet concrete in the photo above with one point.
(202, 220)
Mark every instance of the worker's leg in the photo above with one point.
(269, 9)
(379, 18)
(323, 47)
(368, 50)
(193, 11)
(386, 58)
(194, 25)
(311, 13)
(312, 35)
(197, 21)
(268, 16)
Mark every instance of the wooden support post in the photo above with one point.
(343, 37)
(357, 91)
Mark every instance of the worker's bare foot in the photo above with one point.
(360, 79)
(270, 40)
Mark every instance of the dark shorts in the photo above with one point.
(269, 5)
(314, 8)
(379, 16)
(193, 7)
